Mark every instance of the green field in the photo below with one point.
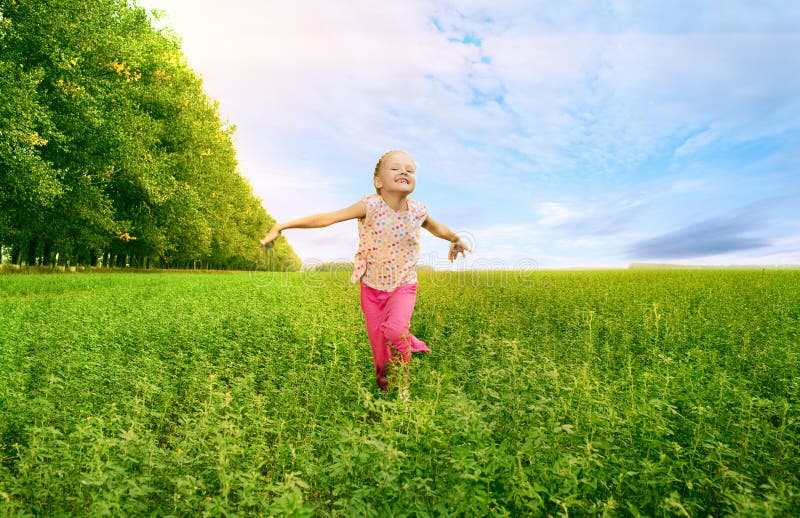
(548, 393)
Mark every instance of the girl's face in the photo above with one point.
(397, 173)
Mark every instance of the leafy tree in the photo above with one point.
(28, 183)
(110, 148)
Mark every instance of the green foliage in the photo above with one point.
(110, 149)
(635, 393)
(331, 267)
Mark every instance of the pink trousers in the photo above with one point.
(387, 315)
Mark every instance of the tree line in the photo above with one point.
(110, 151)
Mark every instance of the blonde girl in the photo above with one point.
(389, 225)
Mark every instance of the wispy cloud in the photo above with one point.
(577, 122)
(553, 213)
(714, 236)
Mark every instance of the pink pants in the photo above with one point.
(387, 315)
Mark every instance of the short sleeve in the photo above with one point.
(420, 211)
(372, 202)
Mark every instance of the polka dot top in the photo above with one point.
(388, 244)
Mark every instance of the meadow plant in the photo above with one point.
(641, 393)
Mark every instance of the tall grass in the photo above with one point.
(551, 393)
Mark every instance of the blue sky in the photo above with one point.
(550, 134)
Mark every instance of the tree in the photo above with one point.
(110, 148)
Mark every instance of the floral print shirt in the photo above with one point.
(388, 244)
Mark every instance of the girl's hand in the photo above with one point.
(458, 247)
(269, 237)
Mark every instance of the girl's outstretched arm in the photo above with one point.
(355, 211)
(440, 230)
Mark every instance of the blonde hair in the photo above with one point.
(380, 163)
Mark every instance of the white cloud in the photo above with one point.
(337, 243)
(552, 102)
(553, 213)
(371, 74)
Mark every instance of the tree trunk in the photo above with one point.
(47, 253)
(31, 259)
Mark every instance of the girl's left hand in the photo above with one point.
(458, 247)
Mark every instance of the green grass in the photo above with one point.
(552, 393)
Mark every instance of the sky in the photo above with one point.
(570, 134)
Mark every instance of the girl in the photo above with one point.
(388, 249)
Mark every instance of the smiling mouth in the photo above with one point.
(402, 180)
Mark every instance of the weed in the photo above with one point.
(571, 393)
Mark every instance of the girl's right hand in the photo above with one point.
(269, 237)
